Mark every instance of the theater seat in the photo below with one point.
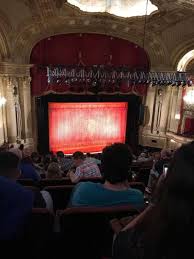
(27, 182)
(54, 182)
(60, 195)
(89, 231)
(39, 225)
(93, 179)
(143, 175)
(38, 232)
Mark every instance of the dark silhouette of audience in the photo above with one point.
(16, 202)
(165, 229)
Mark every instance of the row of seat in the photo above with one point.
(83, 232)
(61, 194)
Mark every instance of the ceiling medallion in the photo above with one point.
(122, 8)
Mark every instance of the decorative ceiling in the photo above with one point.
(167, 37)
(123, 8)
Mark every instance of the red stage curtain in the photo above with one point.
(85, 49)
(87, 127)
(189, 126)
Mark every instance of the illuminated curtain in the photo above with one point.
(86, 127)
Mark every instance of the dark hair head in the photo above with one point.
(116, 162)
(172, 220)
(60, 154)
(78, 155)
(8, 163)
(88, 155)
(21, 147)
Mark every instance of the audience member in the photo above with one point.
(165, 229)
(36, 160)
(17, 152)
(84, 169)
(16, 202)
(116, 162)
(27, 169)
(158, 167)
(90, 158)
(65, 163)
(54, 171)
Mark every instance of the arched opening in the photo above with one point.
(185, 60)
(88, 50)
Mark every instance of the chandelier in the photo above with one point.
(123, 8)
(189, 97)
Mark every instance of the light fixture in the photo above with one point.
(189, 97)
(172, 141)
(177, 116)
(121, 8)
(2, 101)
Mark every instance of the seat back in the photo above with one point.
(93, 179)
(40, 225)
(38, 233)
(143, 176)
(54, 182)
(90, 230)
(27, 182)
(60, 195)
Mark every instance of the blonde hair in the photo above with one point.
(54, 171)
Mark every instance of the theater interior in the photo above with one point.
(78, 75)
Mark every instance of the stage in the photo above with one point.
(86, 123)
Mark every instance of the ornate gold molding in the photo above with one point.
(15, 70)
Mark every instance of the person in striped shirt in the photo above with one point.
(83, 169)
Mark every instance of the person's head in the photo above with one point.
(35, 157)
(27, 156)
(173, 216)
(9, 165)
(21, 147)
(78, 158)
(88, 155)
(166, 154)
(60, 155)
(54, 171)
(116, 163)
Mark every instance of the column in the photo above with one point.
(9, 84)
(3, 124)
(26, 110)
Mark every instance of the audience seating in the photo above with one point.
(60, 195)
(94, 180)
(143, 175)
(27, 182)
(32, 188)
(87, 232)
(40, 224)
(38, 232)
(54, 182)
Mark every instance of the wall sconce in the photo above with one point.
(177, 116)
(189, 97)
(2, 101)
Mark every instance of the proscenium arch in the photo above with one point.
(185, 60)
(180, 51)
(26, 40)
